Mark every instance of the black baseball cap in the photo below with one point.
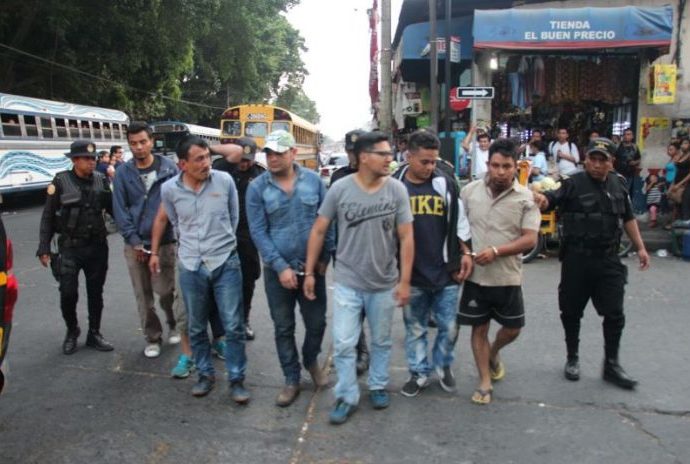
(351, 137)
(82, 148)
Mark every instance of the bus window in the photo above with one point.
(85, 129)
(46, 128)
(30, 126)
(232, 128)
(97, 134)
(106, 131)
(61, 129)
(256, 129)
(74, 128)
(10, 125)
(280, 125)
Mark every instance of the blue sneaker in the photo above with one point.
(238, 393)
(184, 367)
(341, 412)
(218, 348)
(380, 399)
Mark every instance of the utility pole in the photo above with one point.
(433, 61)
(446, 79)
(386, 109)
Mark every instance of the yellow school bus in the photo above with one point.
(260, 120)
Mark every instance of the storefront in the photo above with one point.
(579, 68)
(411, 65)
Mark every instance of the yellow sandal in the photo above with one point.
(498, 371)
(482, 396)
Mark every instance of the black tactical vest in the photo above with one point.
(80, 217)
(594, 214)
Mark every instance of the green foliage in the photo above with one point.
(146, 57)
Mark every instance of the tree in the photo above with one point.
(151, 58)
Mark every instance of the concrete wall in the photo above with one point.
(654, 152)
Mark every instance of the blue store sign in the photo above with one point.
(573, 28)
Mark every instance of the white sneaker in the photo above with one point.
(174, 337)
(152, 350)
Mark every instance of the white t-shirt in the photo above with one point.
(565, 167)
(479, 160)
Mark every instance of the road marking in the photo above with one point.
(311, 410)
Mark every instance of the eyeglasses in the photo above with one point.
(381, 152)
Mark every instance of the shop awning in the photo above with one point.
(411, 56)
(573, 28)
(416, 37)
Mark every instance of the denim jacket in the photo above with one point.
(280, 224)
(134, 208)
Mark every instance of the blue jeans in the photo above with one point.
(443, 303)
(281, 302)
(347, 325)
(199, 289)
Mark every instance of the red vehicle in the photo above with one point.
(8, 297)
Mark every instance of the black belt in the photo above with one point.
(591, 251)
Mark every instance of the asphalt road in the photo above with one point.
(120, 407)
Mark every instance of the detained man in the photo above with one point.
(374, 224)
(442, 262)
(282, 206)
(202, 205)
(504, 222)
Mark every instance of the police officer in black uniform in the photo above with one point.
(595, 209)
(74, 211)
(243, 173)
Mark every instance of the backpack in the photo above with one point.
(551, 154)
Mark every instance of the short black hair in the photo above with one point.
(423, 139)
(139, 126)
(102, 153)
(115, 148)
(506, 147)
(367, 141)
(628, 129)
(188, 142)
(483, 135)
(541, 132)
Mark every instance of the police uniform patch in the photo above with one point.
(247, 150)
(354, 138)
(90, 148)
(51, 189)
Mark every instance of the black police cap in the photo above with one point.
(351, 137)
(82, 148)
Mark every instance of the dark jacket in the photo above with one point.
(134, 208)
(74, 209)
(447, 187)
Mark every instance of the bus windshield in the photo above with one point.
(280, 125)
(256, 129)
(232, 128)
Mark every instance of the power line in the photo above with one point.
(104, 79)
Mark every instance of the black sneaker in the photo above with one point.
(203, 386)
(446, 378)
(95, 340)
(414, 385)
(249, 332)
(69, 346)
(571, 371)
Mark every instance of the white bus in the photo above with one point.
(35, 134)
(167, 134)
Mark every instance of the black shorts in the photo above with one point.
(480, 304)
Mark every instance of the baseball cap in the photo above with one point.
(601, 145)
(279, 141)
(82, 148)
(351, 137)
(248, 148)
